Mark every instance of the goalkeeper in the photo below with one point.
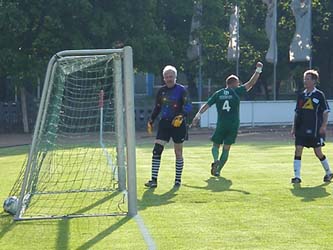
(227, 101)
(173, 106)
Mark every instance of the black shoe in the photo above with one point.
(151, 184)
(213, 170)
(296, 180)
(328, 177)
(177, 184)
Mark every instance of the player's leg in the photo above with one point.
(215, 151)
(217, 139)
(156, 162)
(162, 137)
(324, 162)
(179, 163)
(297, 163)
(224, 157)
(215, 154)
(178, 137)
(229, 139)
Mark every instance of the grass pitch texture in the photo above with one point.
(251, 206)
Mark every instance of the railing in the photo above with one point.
(11, 116)
(258, 113)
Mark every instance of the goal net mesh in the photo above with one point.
(72, 167)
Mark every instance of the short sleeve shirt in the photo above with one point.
(309, 113)
(227, 101)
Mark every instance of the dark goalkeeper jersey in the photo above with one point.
(171, 102)
(309, 113)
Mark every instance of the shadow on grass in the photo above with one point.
(6, 224)
(14, 150)
(149, 199)
(105, 233)
(310, 193)
(63, 234)
(218, 184)
(64, 226)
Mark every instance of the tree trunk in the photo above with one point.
(24, 110)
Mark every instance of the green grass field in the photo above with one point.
(252, 206)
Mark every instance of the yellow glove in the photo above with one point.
(177, 121)
(150, 127)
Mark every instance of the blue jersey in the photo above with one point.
(171, 102)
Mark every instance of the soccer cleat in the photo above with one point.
(213, 170)
(151, 184)
(296, 180)
(217, 174)
(177, 184)
(328, 177)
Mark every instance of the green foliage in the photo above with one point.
(158, 30)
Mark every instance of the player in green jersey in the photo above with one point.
(227, 101)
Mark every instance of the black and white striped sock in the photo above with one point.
(156, 161)
(179, 170)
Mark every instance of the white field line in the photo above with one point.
(145, 233)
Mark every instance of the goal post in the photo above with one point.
(82, 159)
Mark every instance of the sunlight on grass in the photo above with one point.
(251, 206)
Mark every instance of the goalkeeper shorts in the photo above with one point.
(166, 131)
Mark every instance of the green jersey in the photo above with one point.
(227, 101)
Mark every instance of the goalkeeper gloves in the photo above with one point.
(150, 127)
(177, 121)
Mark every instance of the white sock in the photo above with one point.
(297, 168)
(326, 166)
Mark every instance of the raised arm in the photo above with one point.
(254, 78)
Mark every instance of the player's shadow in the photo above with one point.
(218, 184)
(310, 193)
(150, 199)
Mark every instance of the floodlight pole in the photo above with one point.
(310, 13)
(237, 44)
(275, 49)
(200, 74)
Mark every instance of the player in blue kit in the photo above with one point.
(310, 123)
(173, 106)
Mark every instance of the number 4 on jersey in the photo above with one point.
(226, 106)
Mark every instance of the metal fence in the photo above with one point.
(11, 116)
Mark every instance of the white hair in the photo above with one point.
(170, 67)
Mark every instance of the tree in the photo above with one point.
(158, 30)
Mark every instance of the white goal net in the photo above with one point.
(82, 157)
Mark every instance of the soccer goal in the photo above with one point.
(82, 157)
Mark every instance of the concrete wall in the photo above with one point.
(258, 113)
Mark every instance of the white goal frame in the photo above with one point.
(124, 86)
